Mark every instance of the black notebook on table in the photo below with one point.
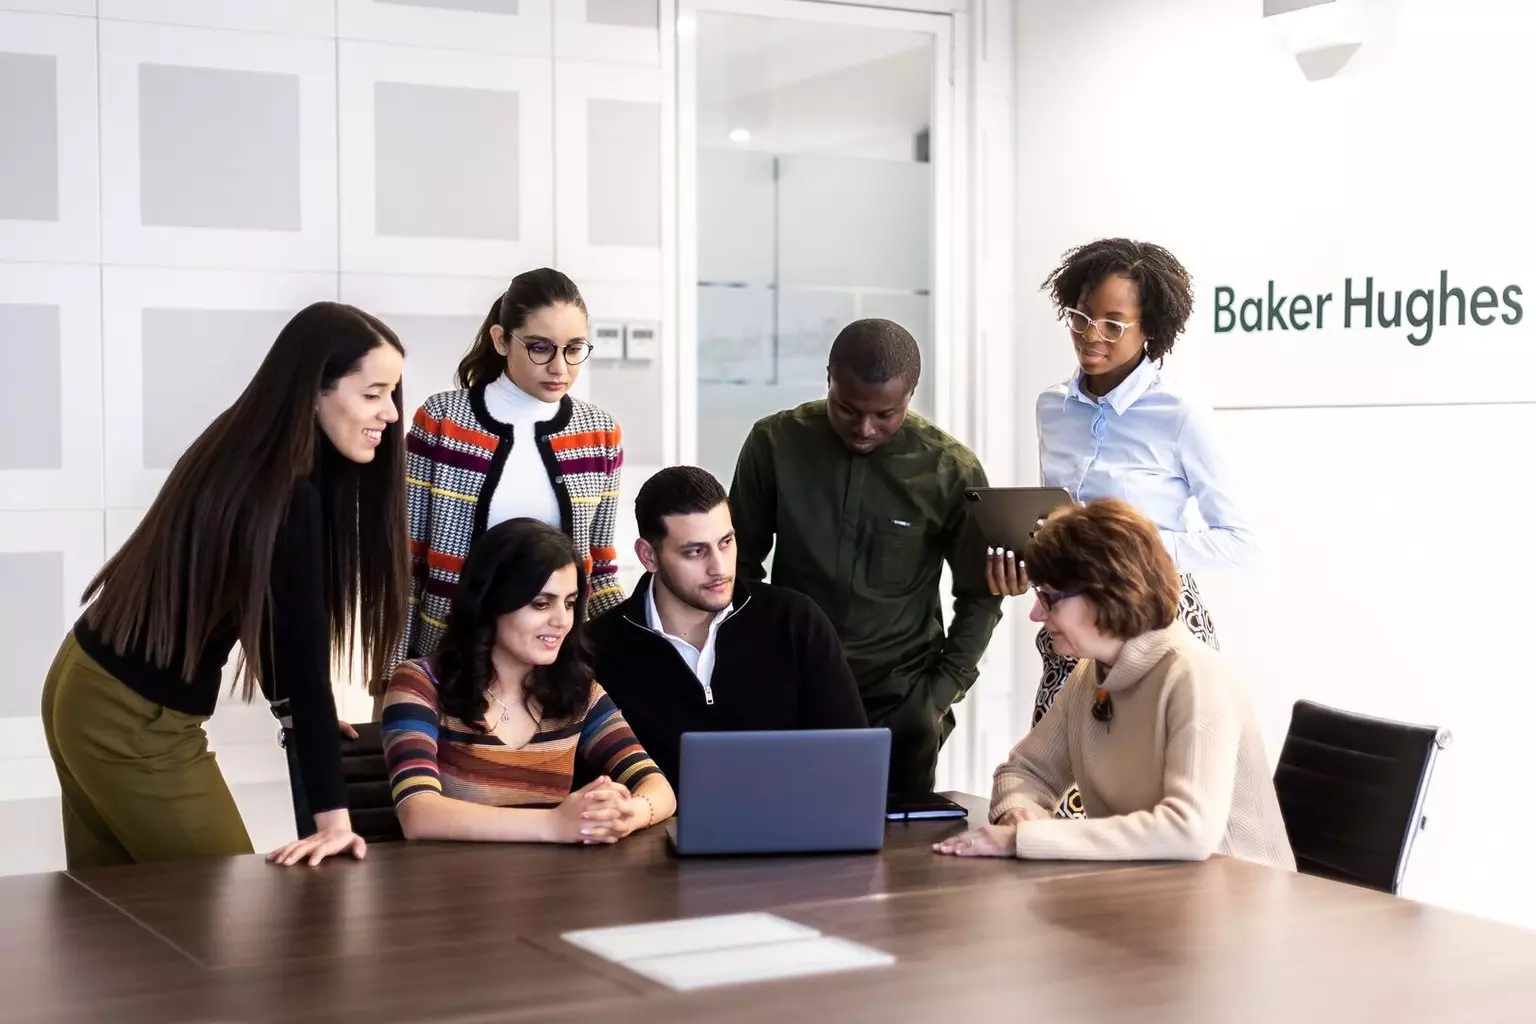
(915, 807)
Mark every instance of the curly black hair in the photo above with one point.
(1167, 298)
(506, 569)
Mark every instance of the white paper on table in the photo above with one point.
(689, 935)
(737, 965)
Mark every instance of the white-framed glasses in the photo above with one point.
(1079, 323)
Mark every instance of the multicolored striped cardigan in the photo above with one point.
(455, 453)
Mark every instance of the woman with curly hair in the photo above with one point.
(1121, 428)
(481, 739)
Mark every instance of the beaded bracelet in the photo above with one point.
(650, 810)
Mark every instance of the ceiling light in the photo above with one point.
(740, 135)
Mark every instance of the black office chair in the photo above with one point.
(368, 798)
(367, 781)
(1352, 791)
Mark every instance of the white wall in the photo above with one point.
(178, 178)
(1390, 484)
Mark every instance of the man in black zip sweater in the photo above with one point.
(693, 650)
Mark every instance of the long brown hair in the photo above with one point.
(528, 293)
(203, 553)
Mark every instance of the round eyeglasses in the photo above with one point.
(541, 351)
(1080, 323)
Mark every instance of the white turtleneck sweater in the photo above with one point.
(1179, 773)
(524, 488)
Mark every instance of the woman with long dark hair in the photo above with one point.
(281, 528)
(482, 739)
(512, 443)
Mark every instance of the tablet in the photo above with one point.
(1009, 516)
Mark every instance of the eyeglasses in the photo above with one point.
(1049, 599)
(542, 352)
(1079, 324)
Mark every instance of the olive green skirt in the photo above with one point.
(137, 779)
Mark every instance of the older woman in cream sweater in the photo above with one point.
(1152, 725)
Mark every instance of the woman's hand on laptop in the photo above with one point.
(987, 841)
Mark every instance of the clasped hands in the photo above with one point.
(602, 811)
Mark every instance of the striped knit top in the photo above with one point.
(455, 454)
(427, 751)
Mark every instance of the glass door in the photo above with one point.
(811, 151)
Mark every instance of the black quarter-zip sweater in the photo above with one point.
(778, 665)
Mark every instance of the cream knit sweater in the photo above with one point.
(1178, 774)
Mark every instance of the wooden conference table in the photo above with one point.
(459, 933)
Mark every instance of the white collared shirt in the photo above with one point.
(700, 660)
(1149, 445)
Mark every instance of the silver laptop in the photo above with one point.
(794, 791)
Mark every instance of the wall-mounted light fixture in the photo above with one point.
(1322, 35)
(740, 135)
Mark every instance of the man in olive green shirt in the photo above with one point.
(867, 502)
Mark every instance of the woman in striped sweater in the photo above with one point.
(482, 739)
(512, 442)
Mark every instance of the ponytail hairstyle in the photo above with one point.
(507, 568)
(527, 294)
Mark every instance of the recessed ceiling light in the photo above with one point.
(740, 135)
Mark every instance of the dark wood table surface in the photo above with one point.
(461, 933)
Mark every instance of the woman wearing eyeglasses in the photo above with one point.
(1120, 428)
(1152, 724)
(512, 443)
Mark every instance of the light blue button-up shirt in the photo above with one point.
(1147, 445)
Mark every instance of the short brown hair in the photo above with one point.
(1112, 555)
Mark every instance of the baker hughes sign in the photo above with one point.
(1362, 303)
